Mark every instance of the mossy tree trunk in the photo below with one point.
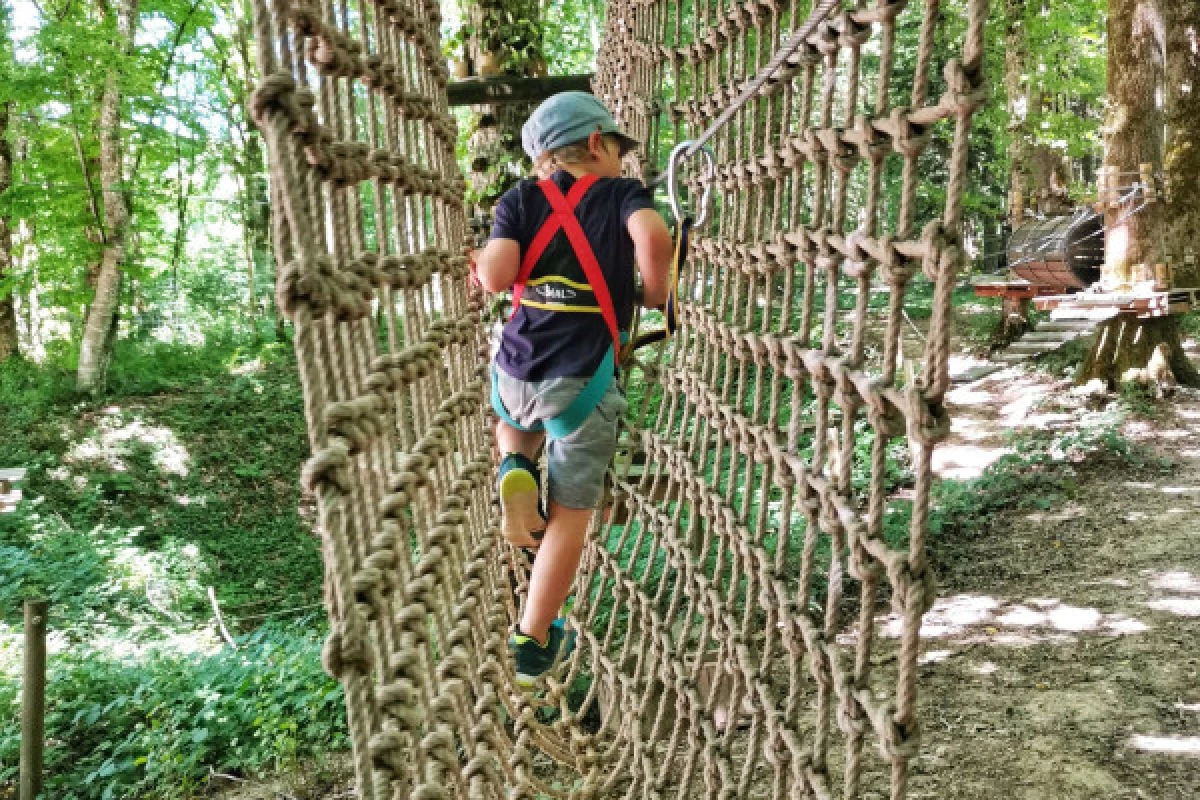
(100, 327)
(1134, 136)
(8, 314)
(1182, 161)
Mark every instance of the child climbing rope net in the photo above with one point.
(568, 247)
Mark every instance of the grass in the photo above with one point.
(184, 477)
(1041, 473)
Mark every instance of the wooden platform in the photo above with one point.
(1016, 290)
(10, 495)
(1100, 306)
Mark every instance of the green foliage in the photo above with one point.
(1040, 474)
(193, 166)
(1065, 359)
(185, 478)
(154, 727)
(192, 475)
(1139, 399)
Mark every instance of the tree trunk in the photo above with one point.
(1125, 344)
(1133, 136)
(1014, 314)
(1017, 89)
(252, 170)
(95, 351)
(1182, 161)
(8, 314)
(1133, 130)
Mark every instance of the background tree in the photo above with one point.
(1181, 163)
(8, 314)
(100, 326)
(1133, 230)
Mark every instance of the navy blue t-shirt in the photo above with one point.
(539, 344)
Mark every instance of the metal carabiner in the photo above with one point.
(678, 154)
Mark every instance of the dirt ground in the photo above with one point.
(1062, 659)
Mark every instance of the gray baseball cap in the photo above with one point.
(566, 118)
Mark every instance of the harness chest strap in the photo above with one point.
(563, 218)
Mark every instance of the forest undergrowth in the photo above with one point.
(184, 478)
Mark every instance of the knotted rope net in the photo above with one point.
(749, 609)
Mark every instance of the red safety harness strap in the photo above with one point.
(563, 218)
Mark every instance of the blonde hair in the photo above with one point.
(574, 153)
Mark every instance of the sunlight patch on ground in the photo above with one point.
(1179, 606)
(1179, 581)
(1185, 586)
(1170, 745)
(114, 438)
(964, 461)
(934, 656)
(980, 618)
(1068, 512)
(252, 367)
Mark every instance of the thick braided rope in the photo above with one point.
(718, 641)
(750, 554)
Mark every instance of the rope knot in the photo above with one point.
(872, 146)
(328, 467)
(964, 90)
(861, 566)
(928, 422)
(895, 267)
(278, 92)
(315, 282)
(933, 242)
(346, 647)
(908, 139)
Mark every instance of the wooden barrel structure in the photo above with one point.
(1062, 252)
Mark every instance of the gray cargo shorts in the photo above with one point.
(577, 463)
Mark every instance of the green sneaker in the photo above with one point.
(533, 659)
(520, 489)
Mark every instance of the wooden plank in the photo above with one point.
(1074, 313)
(1052, 336)
(1032, 348)
(1015, 289)
(971, 374)
(1066, 325)
(506, 90)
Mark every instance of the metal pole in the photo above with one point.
(33, 699)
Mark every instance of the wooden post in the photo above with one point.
(499, 91)
(33, 699)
